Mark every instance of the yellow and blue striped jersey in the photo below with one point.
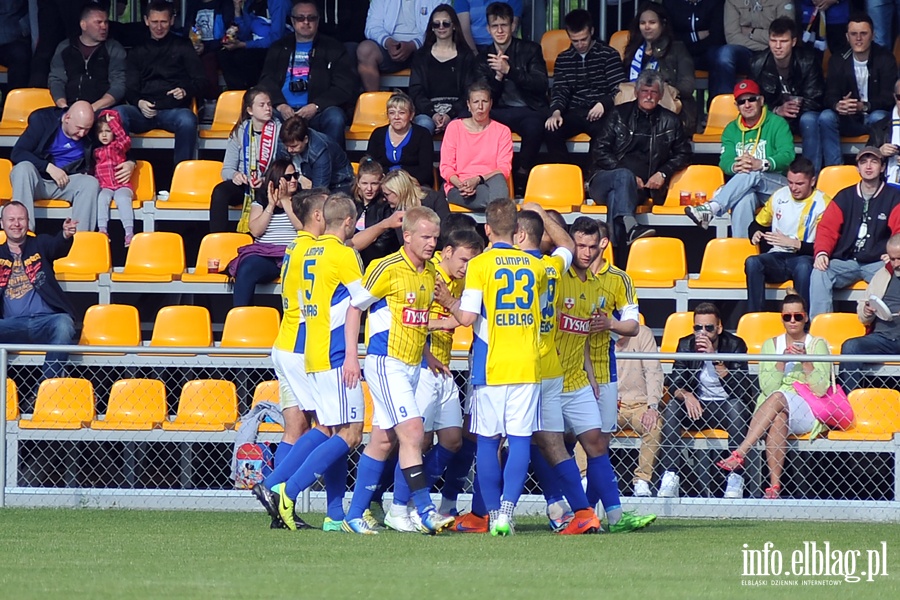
(576, 302)
(555, 265)
(618, 299)
(398, 298)
(292, 332)
(506, 288)
(441, 340)
(331, 276)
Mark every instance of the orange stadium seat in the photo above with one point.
(371, 112)
(559, 187)
(135, 405)
(647, 270)
(553, 42)
(218, 246)
(619, 41)
(756, 328)
(64, 403)
(12, 400)
(723, 264)
(18, 107)
(677, 326)
(5, 184)
(268, 391)
(192, 185)
(177, 326)
(228, 112)
(205, 405)
(876, 416)
(833, 179)
(836, 328)
(111, 325)
(250, 327)
(153, 257)
(696, 178)
(88, 258)
(722, 111)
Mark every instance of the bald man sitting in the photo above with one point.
(51, 161)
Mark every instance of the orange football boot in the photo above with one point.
(585, 521)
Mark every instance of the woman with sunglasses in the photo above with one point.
(440, 72)
(273, 226)
(780, 410)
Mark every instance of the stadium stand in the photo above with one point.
(134, 405)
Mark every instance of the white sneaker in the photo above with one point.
(735, 487)
(642, 489)
(669, 486)
(398, 519)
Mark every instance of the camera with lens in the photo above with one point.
(298, 86)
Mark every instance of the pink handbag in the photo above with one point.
(832, 408)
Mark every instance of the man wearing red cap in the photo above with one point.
(757, 149)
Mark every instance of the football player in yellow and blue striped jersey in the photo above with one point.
(398, 292)
(505, 291)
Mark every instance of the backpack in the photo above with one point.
(254, 464)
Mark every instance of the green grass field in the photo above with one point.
(146, 554)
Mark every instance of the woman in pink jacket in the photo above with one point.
(114, 144)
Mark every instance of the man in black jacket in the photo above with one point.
(89, 67)
(708, 394)
(640, 147)
(859, 89)
(163, 75)
(310, 74)
(34, 309)
(516, 71)
(791, 80)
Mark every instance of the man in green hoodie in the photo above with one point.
(757, 149)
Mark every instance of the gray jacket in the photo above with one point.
(250, 428)
(236, 149)
(73, 78)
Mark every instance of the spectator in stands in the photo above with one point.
(640, 147)
(52, 158)
(242, 55)
(836, 14)
(440, 72)
(401, 144)
(273, 226)
(253, 145)
(320, 161)
(310, 75)
(345, 22)
(586, 79)
(746, 32)
(110, 150)
(163, 76)
(394, 30)
(476, 154)
(885, 135)
(372, 210)
(89, 67)
(15, 42)
(757, 148)
(205, 22)
(790, 77)
(887, 14)
(709, 394)
(402, 192)
(699, 25)
(780, 410)
(473, 17)
(652, 45)
(882, 330)
(57, 21)
(852, 233)
(516, 71)
(640, 395)
(34, 309)
(785, 231)
(858, 91)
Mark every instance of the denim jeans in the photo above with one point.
(832, 126)
(617, 189)
(252, 270)
(331, 122)
(725, 63)
(52, 330)
(180, 121)
(743, 194)
(812, 138)
(839, 274)
(426, 122)
(886, 16)
(873, 343)
(775, 267)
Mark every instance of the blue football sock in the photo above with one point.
(436, 461)
(516, 470)
(458, 470)
(488, 474)
(416, 480)
(401, 488)
(368, 476)
(282, 451)
(570, 482)
(315, 464)
(387, 479)
(335, 478)
(602, 483)
(546, 476)
(308, 442)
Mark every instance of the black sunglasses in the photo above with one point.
(746, 99)
(788, 317)
(302, 18)
(441, 24)
(288, 176)
(896, 96)
(708, 327)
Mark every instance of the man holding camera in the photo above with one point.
(310, 74)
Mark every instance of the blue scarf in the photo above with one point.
(637, 64)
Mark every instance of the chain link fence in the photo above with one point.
(156, 429)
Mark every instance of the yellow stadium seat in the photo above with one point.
(250, 327)
(722, 111)
(462, 339)
(268, 391)
(178, 326)
(88, 258)
(205, 405)
(371, 112)
(5, 184)
(619, 41)
(677, 326)
(876, 415)
(143, 183)
(19, 105)
(153, 257)
(192, 185)
(456, 208)
(559, 187)
(835, 178)
(228, 112)
(111, 325)
(12, 400)
(135, 405)
(696, 178)
(723, 264)
(369, 409)
(64, 403)
(656, 262)
(219, 246)
(756, 328)
(553, 42)
(836, 328)
(706, 434)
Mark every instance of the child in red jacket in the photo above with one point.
(114, 144)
